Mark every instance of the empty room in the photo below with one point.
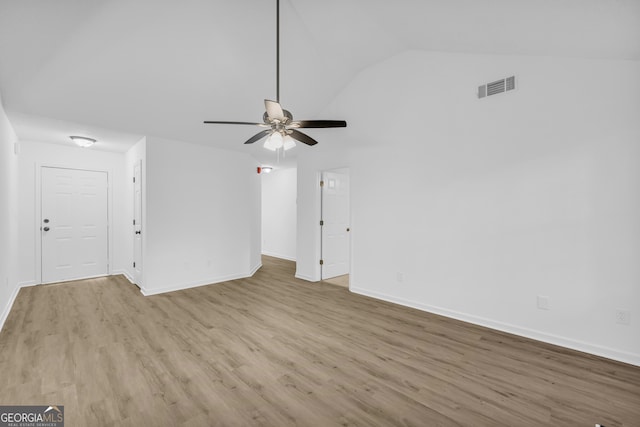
(320, 213)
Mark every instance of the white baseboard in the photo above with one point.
(125, 274)
(26, 284)
(255, 269)
(9, 306)
(305, 277)
(276, 255)
(609, 353)
(194, 284)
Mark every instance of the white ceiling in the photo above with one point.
(119, 69)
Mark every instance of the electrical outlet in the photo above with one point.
(399, 277)
(543, 302)
(623, 317)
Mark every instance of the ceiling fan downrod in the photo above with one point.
(281, 130)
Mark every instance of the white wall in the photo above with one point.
(8, 215)
(485, 204)
(202, 222)
(36, 154)
(279, 192)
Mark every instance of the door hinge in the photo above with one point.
(134, 222)
(134, 265)
(321, 183)
(321, 262)
(134, 179)
(321, 222)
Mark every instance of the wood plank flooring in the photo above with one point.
(272, 350)
(339, 281)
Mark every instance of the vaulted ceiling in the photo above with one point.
(119, 69)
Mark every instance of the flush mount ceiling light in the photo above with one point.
(83, 141)
(281, 130)
(267, 169)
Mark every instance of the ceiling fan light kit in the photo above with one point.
(281, 130)
(288, 143)
(276, 141)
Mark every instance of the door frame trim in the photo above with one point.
(138, 280)
(38, 214)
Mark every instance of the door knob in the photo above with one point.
(46, 221)
(348, 229)
(46, 229)
(137, 232)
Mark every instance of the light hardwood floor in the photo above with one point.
(275, 351)
(339, 281)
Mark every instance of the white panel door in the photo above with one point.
(74, 224)
(335, 228)
(137, 222)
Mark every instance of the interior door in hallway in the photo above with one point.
(74, 224)
(335, 224)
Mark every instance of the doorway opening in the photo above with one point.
(279, 213)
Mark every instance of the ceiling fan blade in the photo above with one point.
(274, 110)
(319, 124)
(216, 122)
(306, 139)
(258, 136)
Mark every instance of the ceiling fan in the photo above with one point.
(281, 129)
